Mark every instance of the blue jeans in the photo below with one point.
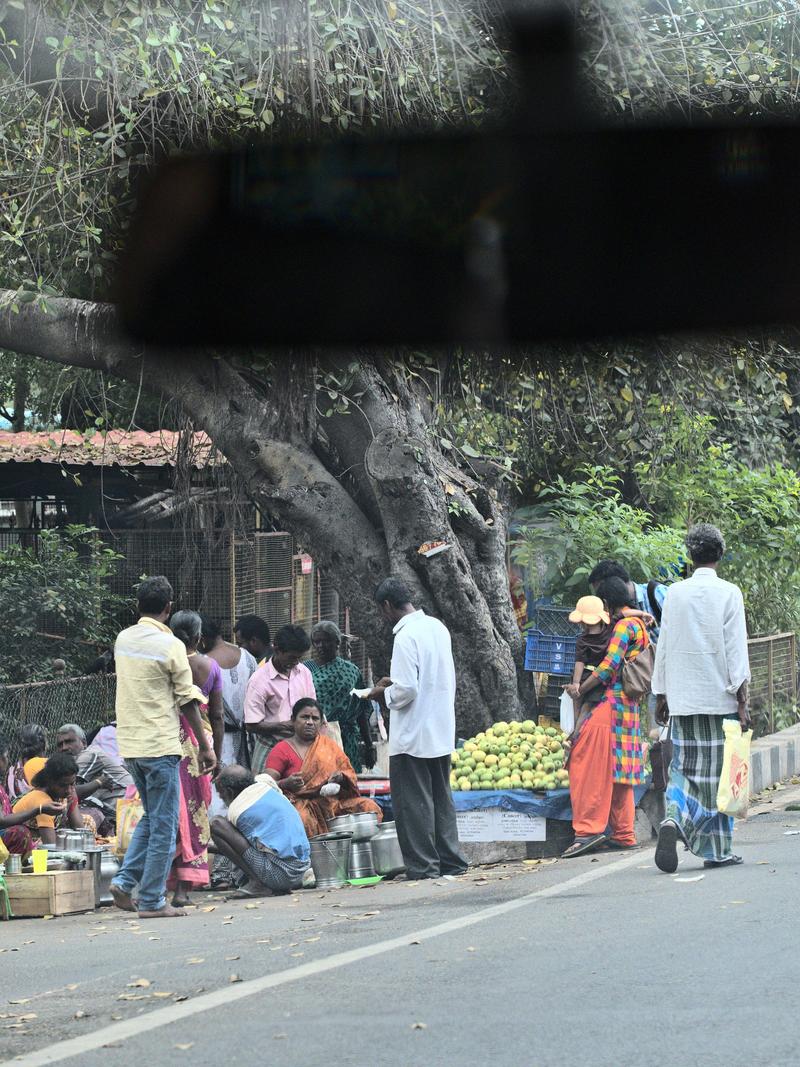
(152, 847)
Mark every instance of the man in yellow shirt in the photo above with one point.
(154, 686)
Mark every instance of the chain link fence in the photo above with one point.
(88, 701)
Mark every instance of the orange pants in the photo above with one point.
(597, 799)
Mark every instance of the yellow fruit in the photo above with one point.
(464, 784)
(528, 726)
(478, 756)
(505, 761)
(491, 760)
(500, 728)
(453, 782)
(470, 746)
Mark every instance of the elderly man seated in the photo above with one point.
(102, 780)
(263, 833)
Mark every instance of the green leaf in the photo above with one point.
(468, 450)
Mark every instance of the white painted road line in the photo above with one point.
(117, 1032)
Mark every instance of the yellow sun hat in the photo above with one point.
(589, 609)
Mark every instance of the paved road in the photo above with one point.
(530, 965)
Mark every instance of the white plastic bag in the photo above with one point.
(567, 713)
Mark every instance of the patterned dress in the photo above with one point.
(628, 640)
(333, 682)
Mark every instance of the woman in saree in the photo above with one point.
(606, 755)
(190, 866)
(334, 680)
(15, 834)
(32, 748)
(305, 763)
(52, 803)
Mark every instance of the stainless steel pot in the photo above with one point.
(109, 865)
(361, 863)
(363, 826)
(94, 857)
(330, 854)
(386, 851)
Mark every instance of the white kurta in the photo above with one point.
(701, 656)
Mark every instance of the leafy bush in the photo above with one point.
(581, 522)
(57, 586)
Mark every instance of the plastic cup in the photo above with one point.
(39, 860)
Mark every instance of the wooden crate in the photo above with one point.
(54, 893)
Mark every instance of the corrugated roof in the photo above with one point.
(126, 449)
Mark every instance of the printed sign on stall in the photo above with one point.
(492, 824)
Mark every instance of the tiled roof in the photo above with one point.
(126, 449)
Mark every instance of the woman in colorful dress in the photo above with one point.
(32, 748)
(334, 679)
(606, 756)
(302, 765)
(52, 803)
(190, 866)
(15, 834)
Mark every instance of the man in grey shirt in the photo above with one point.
(97, 768)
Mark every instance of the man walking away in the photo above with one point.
(420, 697)
(154, 681)
(700, 679)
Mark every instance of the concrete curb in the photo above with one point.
(774, 758)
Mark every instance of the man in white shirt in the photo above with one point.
(700, 678)
(420, 698)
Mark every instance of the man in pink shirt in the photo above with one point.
(273, 691)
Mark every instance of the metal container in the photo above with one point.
(330, 854)
(109, 865)
(14, 865)
(386, 851)
(89, 840)
(362, 826)
(61, 840)
(93, 859)
(361, 864)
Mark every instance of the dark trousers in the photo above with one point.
(425, 816)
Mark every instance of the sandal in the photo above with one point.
(729, 861)
(617, 846)
(581, 845)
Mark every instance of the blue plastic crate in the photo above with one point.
(549, 654)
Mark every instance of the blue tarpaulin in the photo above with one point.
(551, 805)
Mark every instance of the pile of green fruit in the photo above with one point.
(511, 755)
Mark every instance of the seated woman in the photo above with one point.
(306, 762)
(54, 785)
(32, 747)
(14, 832)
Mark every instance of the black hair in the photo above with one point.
(253, 626)
(608, 568)
(234, 779)
(615, 593)
(705, 543)
(153, 595)
(32, 740)
(292, 639)
(59, 766)
(306, 702)
(211, 629)
(393, 590)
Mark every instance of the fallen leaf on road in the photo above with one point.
(113, 1044)
(228, 922)
(413, 942)
(311, 918)
(791, 833)
(293, 944)
(47, 916)
(133, 996)
(211, 907)
(71, 987)
(154, 939)
(251, 907)
(22, 1000)
(227, 916)
(694, 878)
(234, 978)
(162, 995)
(196, 959)
(263, 940)
(80, 1015)
(737, 902)
(308, 940)
(297, 954)
(419, 1026)
(183, 996)
(470, 948)
(229, 958)
(116, 1017)
(279, 1037)
(186, 1047)
(140, 983)
(27, 1018)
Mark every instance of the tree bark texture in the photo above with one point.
(360, 491)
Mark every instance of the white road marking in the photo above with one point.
(117, 1032)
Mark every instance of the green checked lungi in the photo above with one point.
(698, 745)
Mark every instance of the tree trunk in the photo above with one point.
(361, 491)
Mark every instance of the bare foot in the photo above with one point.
(122, 900)
(167, 912)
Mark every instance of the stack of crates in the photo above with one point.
(550, 650)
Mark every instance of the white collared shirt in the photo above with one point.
(422, 696)
(701, 656)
